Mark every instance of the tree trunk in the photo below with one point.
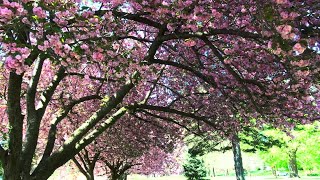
(237, 157)
(114, 175)
(274, 171)
(117, 175)
(12, 160)
(293, 167)
(91, 175)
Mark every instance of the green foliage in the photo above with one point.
(253, 140)
(195, 169)
(313, 174)
(201, 146)
(305, 139)
(275, 157)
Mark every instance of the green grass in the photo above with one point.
(140, 177)
(261, 175)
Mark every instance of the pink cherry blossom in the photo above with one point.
(190, 43)
(299, 48)
(98, 56)
(5, 13)
(38, 11)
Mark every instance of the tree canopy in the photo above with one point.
(200, 65)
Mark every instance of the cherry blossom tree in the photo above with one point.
(185, 62)
(128, 143)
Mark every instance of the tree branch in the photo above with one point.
(61, 115)
(138, 18)
(81, 169)
(103, 126)
(170, 120)
(48, 93)
(174, 111)
(212, 32)
(232, 72)
(73, 145)
(206, 79)
(33, 121)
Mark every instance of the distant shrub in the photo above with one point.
(313, 174)
(195, 169)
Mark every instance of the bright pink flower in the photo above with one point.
(299, 48)
(284, 29)
(281, 1)
(216, 14)
(98, 56)
(284, 15)
(189, 43)
(10, 62)
(170, 27)
(38, 11)
(5, 13)
(84, 46)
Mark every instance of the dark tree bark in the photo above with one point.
(119, 168)
(12, 166)
(237, 157)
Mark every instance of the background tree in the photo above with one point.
(194, 168)
(296, 153)
(130, 142)
(251, 140)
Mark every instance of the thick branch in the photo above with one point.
(96, 117)
(103, 126)
(33, 122)
(72, 146)
(48, 93)
(61, 115)
(65, 153)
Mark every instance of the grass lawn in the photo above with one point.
(177, 177)
(139, 177)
